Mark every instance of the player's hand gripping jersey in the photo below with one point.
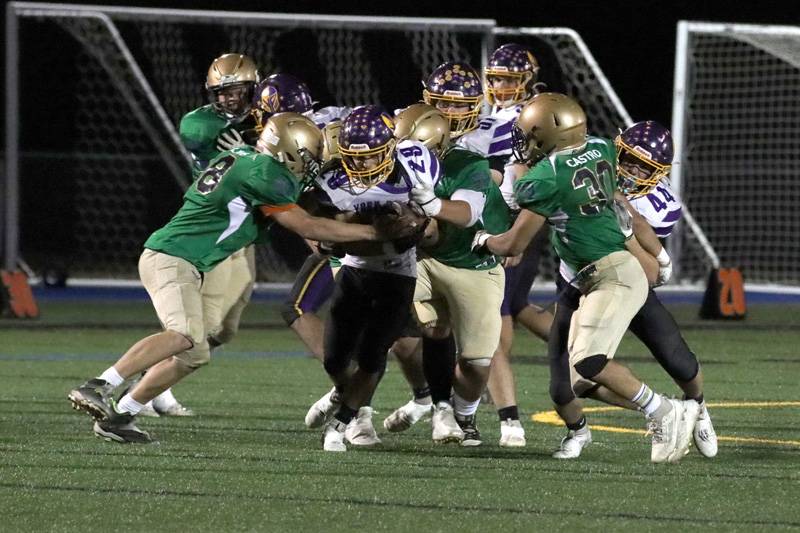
(574, 190)
(464, 172)
(200, 130)
(219, 214)
(414, 163)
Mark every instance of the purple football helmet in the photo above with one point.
(510, 75)
(455, 89)
(644, 157)
(280, 93)
(366, 143)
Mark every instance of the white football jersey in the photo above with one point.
(492, 137)
(326, 115)
(661, 207)
(413, 163)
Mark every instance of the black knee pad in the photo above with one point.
(591, 366)
(561, 392)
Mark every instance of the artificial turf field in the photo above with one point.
(247, 462)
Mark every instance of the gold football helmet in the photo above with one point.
(423, 123)
(550, 122)
(230, 82)
(330, 140)
(295, 141)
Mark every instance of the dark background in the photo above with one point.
(633, 43)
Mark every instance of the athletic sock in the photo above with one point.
(128, 405)
(579, 425)
(508, 413)
(112, 376)
(422, 395)
(648, 400)
(464, 408)
(345, 414)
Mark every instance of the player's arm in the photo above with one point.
(648, 241)
(648, 262)
(462, 209)
(515, 240)
(298, 220)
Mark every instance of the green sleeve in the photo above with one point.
(271, 184)
(199, 136)
(536, 191)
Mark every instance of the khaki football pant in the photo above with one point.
(611, 298)
(466, 300)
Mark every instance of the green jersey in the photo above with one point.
(217, 217)
(574, 189)
(199, 131)
(465, 170)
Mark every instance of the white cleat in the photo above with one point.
(175, 409)
(512, 434)
(406, 416)
(148, 410)
(664, 431)
(322, 410)
(573, 444)
(445, 427)
(691, 410)
(360, 431)
(705, 438)
(333, 437)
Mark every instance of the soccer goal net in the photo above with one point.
(736, 123)
(94, 162)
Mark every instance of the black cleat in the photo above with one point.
(472, 437)
(120, 428)
(93, 397)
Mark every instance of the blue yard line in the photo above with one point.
(114, 357)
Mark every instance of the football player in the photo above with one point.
(205, 132)
(457, 289)
(645, 157)
(571, 185)
(227, 208)
(375, 285)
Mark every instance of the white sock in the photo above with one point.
(128, 405)
(464, 408)
(165, 399)
(426, 400)
(653, 405)
(112, 376)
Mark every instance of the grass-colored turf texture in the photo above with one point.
(247, 462)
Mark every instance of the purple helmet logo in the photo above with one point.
(280, 93)
(510, 75)
(366, 143)
(644, 155)
(455, 89)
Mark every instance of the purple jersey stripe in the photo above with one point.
(504, 129)
(663, 232)
(434, 169)
(388, 187)
(499, 147)
(673, 216)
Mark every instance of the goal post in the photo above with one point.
(736, 126)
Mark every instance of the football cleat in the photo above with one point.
(573, 444)
(472, 437)
(664, 432)
(360, 431)
(148, 410)
(406, 416)
(120, 428)
(333, 437)
(691, 410)
(512, 434)
(166, 404)
(705, 438)
(323, 409)
(94, 398)
(445, 427)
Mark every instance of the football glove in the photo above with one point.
(624, 219)
(479, 240)
(664, 267)
(424, 200)
(228, 140)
